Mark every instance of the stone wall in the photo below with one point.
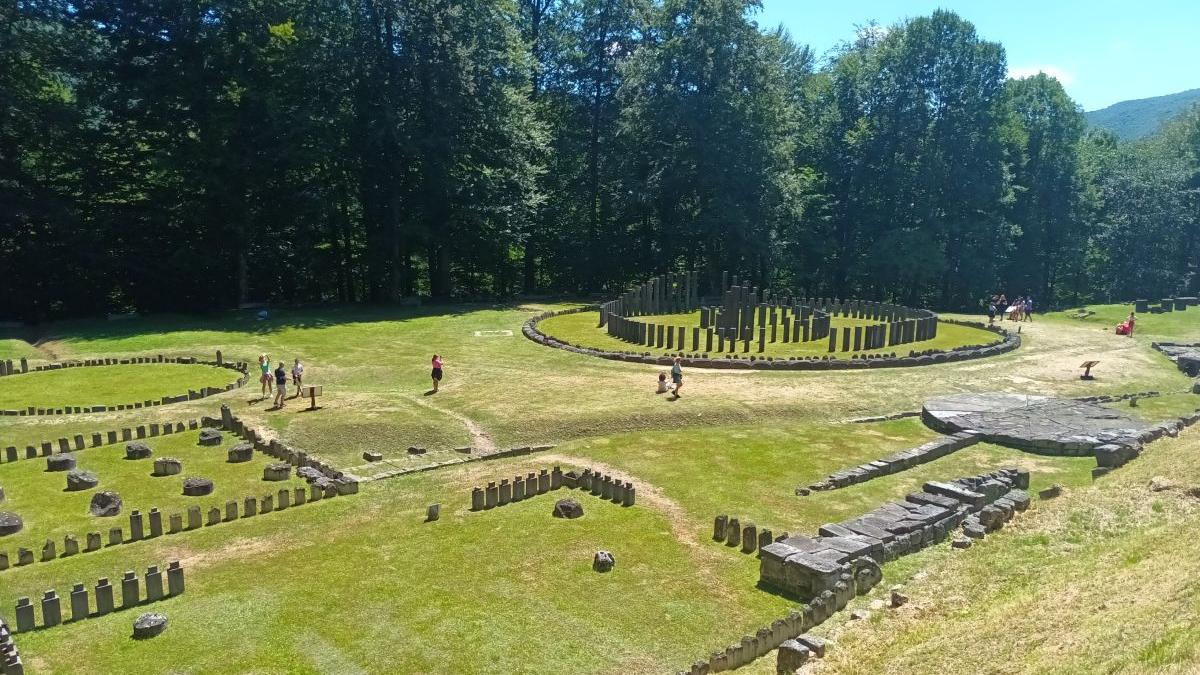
(744, 319)
(96, 439)
(1009, 342)
(156, 588)
(8, 368)
(1185, 356)
(843, 561)
(895, 463)
(524, 487)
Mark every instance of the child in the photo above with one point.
(298, 375)
(662, 384)
(677, 375)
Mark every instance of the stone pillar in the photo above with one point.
(154, 584)
(749, 537)
(24, 608)
(492, 495)
(114, 536)
(104, 597)
(156, 524)
(193, 517)
(135, 525)
(175, 578)
(129, 590)
(832, 342)
(231, 508)
(477, 499)
(845, 338)
(630, 495)
(175, 523)
(733, 532)
(858, 338)
(79, 602)
(719, 524)
(505, 495)
(250, 507)
(556, 478)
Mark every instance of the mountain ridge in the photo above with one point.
(1137, 118)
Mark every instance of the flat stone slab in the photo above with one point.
(149, 625)
(10, 523)
(1038, 423)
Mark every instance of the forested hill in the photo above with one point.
(168, 156)
(1141, 117)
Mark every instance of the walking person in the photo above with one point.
(297, 377)
(1002, 306)
(436, 373)
(677, 375)
(280, 384)
(264, 364)
(992, 312)
(1029, 308)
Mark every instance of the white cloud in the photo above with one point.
(1057, 73)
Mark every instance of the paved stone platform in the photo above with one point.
(1186, 356)
(1034, 423)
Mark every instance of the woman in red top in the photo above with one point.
(437, 372)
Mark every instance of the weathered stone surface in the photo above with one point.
(61, 462)
(167, 466)
(1051, 492)
(567, 508)
(210, 437)
(137, 451)
(1036, 423)
(961, 542)
(603, 561)
(196, 486)
(149, 625)
(372, 456)
(81, 480)
(10, 523)
(277, 471)
(242, 452)
(105, 504)
(309, 473)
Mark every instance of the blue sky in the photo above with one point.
(1103, 51)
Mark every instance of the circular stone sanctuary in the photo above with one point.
(744, 327)
(1036, 423)
(77, 386)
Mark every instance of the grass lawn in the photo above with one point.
(50, 512)
(581, 329)
(16, 349)
(1167, 327)
(362, 584)
(108, 385)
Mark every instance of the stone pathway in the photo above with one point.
(1034, 423)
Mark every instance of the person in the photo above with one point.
(280, 384)
(298, 376)
(1002, 307)
(1016, 309)
(264, 364)
(1028, 309)
(677, 375)
(662, 383)
(437, 372)
(1126, 327)
(992, 312)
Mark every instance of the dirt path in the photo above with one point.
(48, 348)
(481, 440)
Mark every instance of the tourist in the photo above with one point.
(992, 312)
(1027, 309)
(677, 375)
(1002, 306)
(280, 384)
(298, 375)
(264, 364)
(662, 384)
(1126, 327)
(437, 372)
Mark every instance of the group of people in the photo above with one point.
(279, 379)
(1020, 309)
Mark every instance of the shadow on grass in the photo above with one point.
(246, 321)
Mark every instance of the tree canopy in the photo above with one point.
(185, 154)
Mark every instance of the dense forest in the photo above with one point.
(165, 155)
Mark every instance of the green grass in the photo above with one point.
(108, 385)
(15, 349)
(50, 512)
(581, 328)
(363, 584)
(1167, 327)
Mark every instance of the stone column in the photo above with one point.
(129, 590)
(104, 597)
